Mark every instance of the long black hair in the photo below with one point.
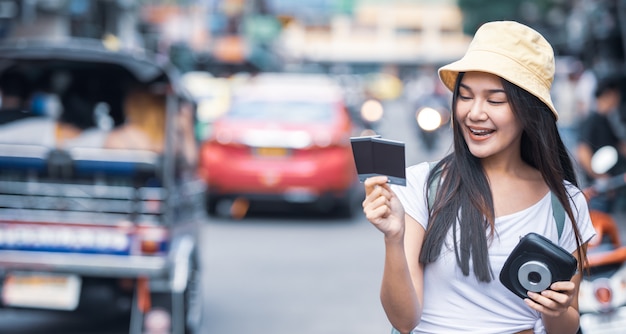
(464, 201)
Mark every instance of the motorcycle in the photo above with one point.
(602, 293)
(371, 113)
(432, 115)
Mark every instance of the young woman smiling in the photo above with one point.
(442, 259)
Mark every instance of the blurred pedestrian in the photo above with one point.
(584, 91)
(566, 101)
(509, 162)
(30, 116)
(597, 130)
(144, 124)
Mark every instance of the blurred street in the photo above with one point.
(249, 103)
(279, 272)
(282, 274)
(294, 274)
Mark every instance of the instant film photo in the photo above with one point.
(374, 155)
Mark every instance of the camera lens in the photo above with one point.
(534, 277)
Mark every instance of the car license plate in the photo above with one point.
(271, 151)
(42, 290)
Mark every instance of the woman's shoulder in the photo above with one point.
(576, 195)
(422, 167)
(418, 173)
(416, 176)
(419, 168)
(572, 190)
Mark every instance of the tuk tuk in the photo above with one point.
(86, 227)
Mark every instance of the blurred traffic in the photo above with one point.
(128, 127)
(285, 138)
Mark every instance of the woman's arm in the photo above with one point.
(402, 283)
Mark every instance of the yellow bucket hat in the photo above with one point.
(512, 51)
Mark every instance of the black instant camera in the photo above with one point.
(534, 264)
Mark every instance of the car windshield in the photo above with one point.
(284, 111)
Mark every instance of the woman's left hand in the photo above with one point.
(553, 302)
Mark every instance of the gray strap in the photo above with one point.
(559, 214)
(432, 188)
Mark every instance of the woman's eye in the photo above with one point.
(496, 102)
(464, 98)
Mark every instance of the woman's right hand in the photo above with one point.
(382, 208)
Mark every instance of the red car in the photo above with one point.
(285, 138)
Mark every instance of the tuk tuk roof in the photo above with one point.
(143, 65)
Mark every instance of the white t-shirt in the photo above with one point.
(454, 303)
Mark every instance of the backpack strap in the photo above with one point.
(558, 212)
(432, 188)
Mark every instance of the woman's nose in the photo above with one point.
(476, 111)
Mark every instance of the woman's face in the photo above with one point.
(485, 117)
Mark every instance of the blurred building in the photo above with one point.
(597, 34)
(55, 19)
(405, 32)
(257, 35)
(266, 34)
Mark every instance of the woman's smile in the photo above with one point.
(479, 133)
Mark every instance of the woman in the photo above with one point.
(442, 260)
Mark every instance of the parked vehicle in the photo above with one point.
(94, 230)
(602, 296)
(285, 139)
